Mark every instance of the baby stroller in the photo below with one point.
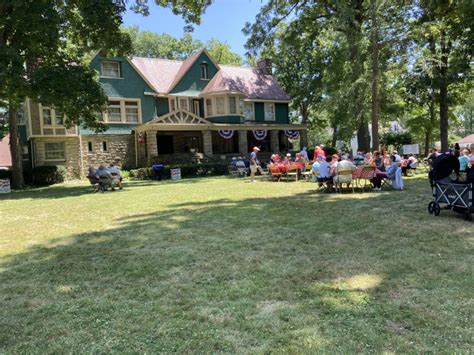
(453, 195)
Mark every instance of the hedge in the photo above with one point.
(187, 170)
(48, 174)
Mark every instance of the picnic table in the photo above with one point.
(284, 167)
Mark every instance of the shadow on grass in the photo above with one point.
(307, 273)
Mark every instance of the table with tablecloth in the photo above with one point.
(284, 167)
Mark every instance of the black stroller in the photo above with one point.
(448, 194)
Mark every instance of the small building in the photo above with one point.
(167, 110)
(467, 142)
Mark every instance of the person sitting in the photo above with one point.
(368, 159)
(241, 167)
(318, 152)
(463, 161)
(343, 172)
(300, 160)
(394, 174)
(287, 159)
(380, 172)
(398, 158)
(106, 179)
(325, 172)
(275, 159)
(93, 178)
(404, 164)
(359, 159)
(116, 175)
(315, 168)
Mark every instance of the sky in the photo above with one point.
(224, 20)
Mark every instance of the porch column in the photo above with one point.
(207, 142)
(274, 141)
(151, 145)
(243, 145)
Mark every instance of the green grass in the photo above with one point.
(222, 265)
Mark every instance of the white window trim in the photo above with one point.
(110, 77)
(253, 111)
(179, 102)
(53, 125)
(226, 106)
(170, 99)
(265, 104)
(206, 112)
(52, 160)
(123, 116)
(206, 67)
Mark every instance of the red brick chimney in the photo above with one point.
(265, 66)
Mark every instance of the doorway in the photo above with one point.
(165, 144)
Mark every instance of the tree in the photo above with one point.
(443, 29)
(154, 45)
(43, 45)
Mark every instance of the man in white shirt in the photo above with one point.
(115, 172)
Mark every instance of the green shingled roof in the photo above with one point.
(113, 129)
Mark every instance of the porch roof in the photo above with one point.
(218, 126)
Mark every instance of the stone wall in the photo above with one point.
(120, 150)
(72, 154)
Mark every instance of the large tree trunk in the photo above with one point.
(375, 77)
(363, 139)
(15, 149)
(443, 95)
(334, 135)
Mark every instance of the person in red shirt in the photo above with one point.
(318, 152)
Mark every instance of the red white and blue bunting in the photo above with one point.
(226, 133)
(260, 135)
(292, 134)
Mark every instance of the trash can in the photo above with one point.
(158, 171)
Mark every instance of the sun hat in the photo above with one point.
(288, 155)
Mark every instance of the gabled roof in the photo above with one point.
(164, 74)
(160, 73)
(250, 81)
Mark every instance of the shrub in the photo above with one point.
(48, 174)
(187, 170)
(5, 174)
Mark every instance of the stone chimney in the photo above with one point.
(265, 66)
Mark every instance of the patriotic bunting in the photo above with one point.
(292, 134)
(226, 133)
(259, 135)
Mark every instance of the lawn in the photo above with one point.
(222, 265)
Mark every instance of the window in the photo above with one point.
(111, 69)
(21, 114)
(232, 105)
(47, 117)
(269, 111)
(220, 108)
(183, 103)
(209, 107)
(204, 74)
(59, 118)
(123, 111)
(172, 105)
(89, 147)
(104, 146)
(54, 151)
(131, 111)
(114, 111)
(249, 112)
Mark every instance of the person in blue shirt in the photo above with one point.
(463, 162)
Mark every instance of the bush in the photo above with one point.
(48, 174)
(5, 174)
(187, 170)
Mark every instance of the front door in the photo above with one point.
(165, 144)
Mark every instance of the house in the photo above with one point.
(165, 110)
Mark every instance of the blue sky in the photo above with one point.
(223, 20)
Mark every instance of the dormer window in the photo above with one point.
(111, 69)
(204, 74)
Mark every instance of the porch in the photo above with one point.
(181, 135)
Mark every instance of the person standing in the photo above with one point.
(254, 164)
(304, 153)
